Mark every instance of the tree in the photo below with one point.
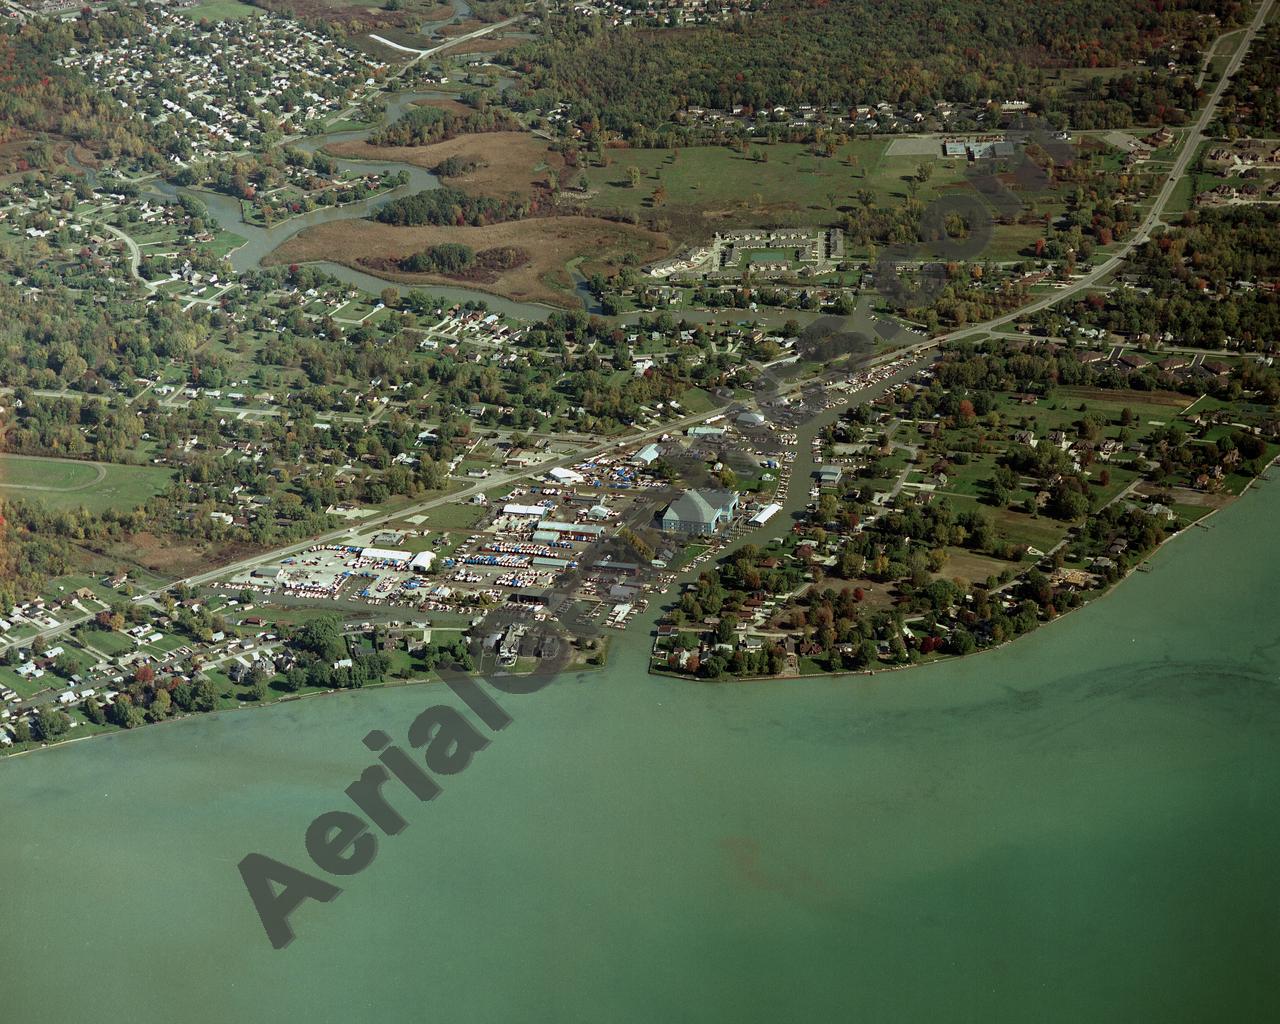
(50, 723)
(633, 175)
(199, 696)
(204, 696)
(125, 713)
(293, 680)
(161, 706)
(1067, 503)
(323, 638)
(962, 642)
(726, 629)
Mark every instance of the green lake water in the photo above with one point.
(1081, 826)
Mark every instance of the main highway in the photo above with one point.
(1153, 219)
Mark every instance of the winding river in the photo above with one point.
(260, 242)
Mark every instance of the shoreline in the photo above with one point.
(191, 716)
(867, 672)
(246, 706)
(658, 674)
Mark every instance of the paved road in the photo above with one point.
(489, 483)
(1154, 217)
(135, 256)
(1149, 223)
(454, 41)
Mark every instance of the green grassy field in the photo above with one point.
(108, 642)
(1222, 52)
(1190, 183)
(220, 10)
(26, 687)
(790, 179)
(455, 516)
(70, 483)
(696, 400)
(791, 185)
(59, 587)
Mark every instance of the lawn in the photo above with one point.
(457, 516)
(224, 242)
(220, 10)
(25, 688)
(59, 587)
(688, 554)
(166, 644)
(696, 400)
(703, 184)
(347, 124)
(1038, 531)
(71, 483)
(1016, 527)
(970, 478)
(76, 658)
(107, 642)
(970, 565)
(719, 179)
(1190, 183)
(1222, 51)
(1061, 409)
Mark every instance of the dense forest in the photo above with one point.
(450, 206)
(1135, 97)
(1252, 98)
(457, 259)
(449, 258)
(903, 52)
(38, 96)
(421, 126)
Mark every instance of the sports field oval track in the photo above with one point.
(72, 483)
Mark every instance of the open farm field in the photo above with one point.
(507, 162)
(485, 44)
(550, 242)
